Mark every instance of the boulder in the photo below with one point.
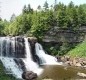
(78, 65)
(29, 75)
(81, 74)
(68, 63)
(84, 62)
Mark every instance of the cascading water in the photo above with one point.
(15, 59)
(45, 58)
(7, 57)
(29, 63)
(16, 56)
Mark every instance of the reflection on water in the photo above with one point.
(55, 72)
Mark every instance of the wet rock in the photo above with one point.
(47, 79)
(32, 40)
(29, 75)
(84, 62)
(70, 61)
(74, 62)
(78, 65)
(19, 47)
(84, 66)
(81, 74)
(67, 63)
(59, 58)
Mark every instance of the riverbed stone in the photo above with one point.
(29, 75)
(81, 74)
(78, 65)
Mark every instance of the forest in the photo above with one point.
(37, 23)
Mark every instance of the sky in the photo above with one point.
(8, 7)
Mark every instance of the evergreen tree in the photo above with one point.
(29, 9)
(39, 7)
(24, 9)
(46, 6)
(12, 18)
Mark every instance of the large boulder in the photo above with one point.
(29, 75)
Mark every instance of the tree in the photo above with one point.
(39, 7)
(3, 24)
(55, 5)
(62, 17)
(24, 9)
(12, 17)
(46, 6)
(29, 9)
(81, 16)
(71, 5)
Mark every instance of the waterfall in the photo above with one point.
(16, 56)
(29, 63)
(6, 52)
(45, 58)
(15, 59)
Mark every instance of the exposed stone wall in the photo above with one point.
(64, 35)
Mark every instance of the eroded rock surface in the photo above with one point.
(29, 75)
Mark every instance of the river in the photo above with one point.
(56, 72)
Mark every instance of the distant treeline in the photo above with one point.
(37, 22)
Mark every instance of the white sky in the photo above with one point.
(8, 7)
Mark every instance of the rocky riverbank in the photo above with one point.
(72, 61)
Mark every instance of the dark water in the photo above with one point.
(55, 72)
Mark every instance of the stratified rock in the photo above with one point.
(29, 75)
(19, 47)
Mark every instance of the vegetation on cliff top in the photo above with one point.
(79, 50)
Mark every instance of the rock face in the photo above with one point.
(32, 41)
(19, 47)
(29, 75)
(57, 34)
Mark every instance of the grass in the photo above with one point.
(79, 50)
(4, 76)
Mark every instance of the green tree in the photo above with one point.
(39, 7)
(62, 17)
(81, 16)
(12, 17)
(29, 9)
(46, 6)
(24, 9)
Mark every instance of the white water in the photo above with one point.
(29, 63)
(11, 67)
(45, 58)
(9, 63)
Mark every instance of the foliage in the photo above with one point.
(37, 23)
(84, 7)
(79, 50)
